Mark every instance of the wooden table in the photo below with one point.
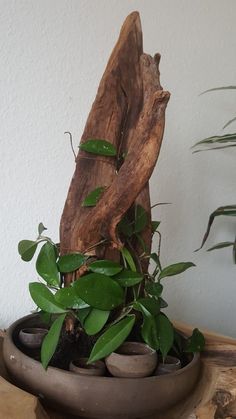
(213, 398)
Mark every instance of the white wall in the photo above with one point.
(52, 55)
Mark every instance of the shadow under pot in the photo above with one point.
(80, 366)
(132, 359)
(32, 337)
(170, 365)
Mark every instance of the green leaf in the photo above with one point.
(229, 122)
(220, 246)
(50, 341)
(99, 291)
(41, 228)
(218, 88)
(165, 333)
(112, 338)
(129, 259)
(149, 332)
(156, 259)
(128, 278)
(125, 227)
(150, 304)
(26, 249)
(154, 288)
(95, 321)
(196, 342)
(70, 262)
(155, 225)
(141, 219)
(67, 297)
(82, 313)
(228, 210)
(100, 147)
(45, 317)
(46, 265)
(215, 140)
(106, 267)
(175, 269)
(44, 298)
(93, 197)
(163, 303)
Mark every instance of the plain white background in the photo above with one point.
(53, 53)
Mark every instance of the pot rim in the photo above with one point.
(97, 379)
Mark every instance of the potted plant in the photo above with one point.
(96, 297)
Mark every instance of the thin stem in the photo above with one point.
(71, 143)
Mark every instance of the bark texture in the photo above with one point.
(129, 112)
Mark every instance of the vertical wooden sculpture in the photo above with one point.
(129, 112)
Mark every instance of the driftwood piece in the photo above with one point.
(129, 112)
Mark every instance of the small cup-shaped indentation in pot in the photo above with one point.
(171, 364)
(80, 366)
(32, 337)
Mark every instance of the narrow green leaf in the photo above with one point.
(217, 139)
(154, 288)
(229, 122)
(93, 197)
(95, 321)
(228, 210)
(44, 298)
(141, 219)
(97, 146)
(128, 278)
(156, 259)
(151, 304)
(112, 338)
(218, 88)
(129, 259)
(41, 228)
(149, 332)
(46, 265)
(175, 269)
(68, 298)
(99, 291)
(165, 333)
(50, 341)
(155, 225)
(163, 303)
(196, 342)
(220, 246)
(106, 267)
(26, 249)
(125, 227)
(70, 262)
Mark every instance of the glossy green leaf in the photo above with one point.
(152, 305)
(125, 227)
(155, 225)
(128, 278)
(26, 249)
(175, 269)
(228, 210)
(45, 317)
(149, 332)
(165, 333)
(51, 340)
(141, 219)
(156, 259)
(129, 259)
(44, 299)
(46, 265)
(93, 197)
(112, 338)
(163, 303)
(106, 267)
(41, 228)
(67, 297)
(154, 288)
(70, 262)
(97, 146)
(220, 246)
(216, 140)
(95, 321)
(82, 313)
(196, 342)
(99, 291)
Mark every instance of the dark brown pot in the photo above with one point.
(132, 359)
(95, 397)
(81, 367)
(32, 337)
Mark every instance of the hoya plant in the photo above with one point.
(106, 299)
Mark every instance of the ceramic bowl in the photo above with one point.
(171, 364)
(32, 337)
(132, 359)
(80, 366)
